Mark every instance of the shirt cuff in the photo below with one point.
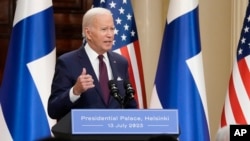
(73, 97)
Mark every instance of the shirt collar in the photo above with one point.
(92, 54)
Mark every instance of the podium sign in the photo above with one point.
(120, 121)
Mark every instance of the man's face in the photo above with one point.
(101, 33)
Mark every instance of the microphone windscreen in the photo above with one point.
(111, 83)
(126, 84)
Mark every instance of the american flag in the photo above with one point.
(126, 43)
(237, 102)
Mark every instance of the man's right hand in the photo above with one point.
(83, 83)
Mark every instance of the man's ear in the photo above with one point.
(87, 33)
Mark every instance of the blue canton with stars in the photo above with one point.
(125, 27)
(244, 43)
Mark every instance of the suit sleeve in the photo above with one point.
(59, 103)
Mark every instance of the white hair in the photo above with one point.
(91, 14)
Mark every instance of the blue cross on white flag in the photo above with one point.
(28, 73)
(179, 82)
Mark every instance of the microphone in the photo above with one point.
(115, 91)
(129, 92)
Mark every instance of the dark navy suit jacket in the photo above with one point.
(68, 67)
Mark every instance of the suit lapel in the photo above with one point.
(85, 62)
(113, 65)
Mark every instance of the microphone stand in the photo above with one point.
(115, 93)
(129, 94)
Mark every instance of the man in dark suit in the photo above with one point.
(76, 80)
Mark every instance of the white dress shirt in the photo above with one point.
(93, 57)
